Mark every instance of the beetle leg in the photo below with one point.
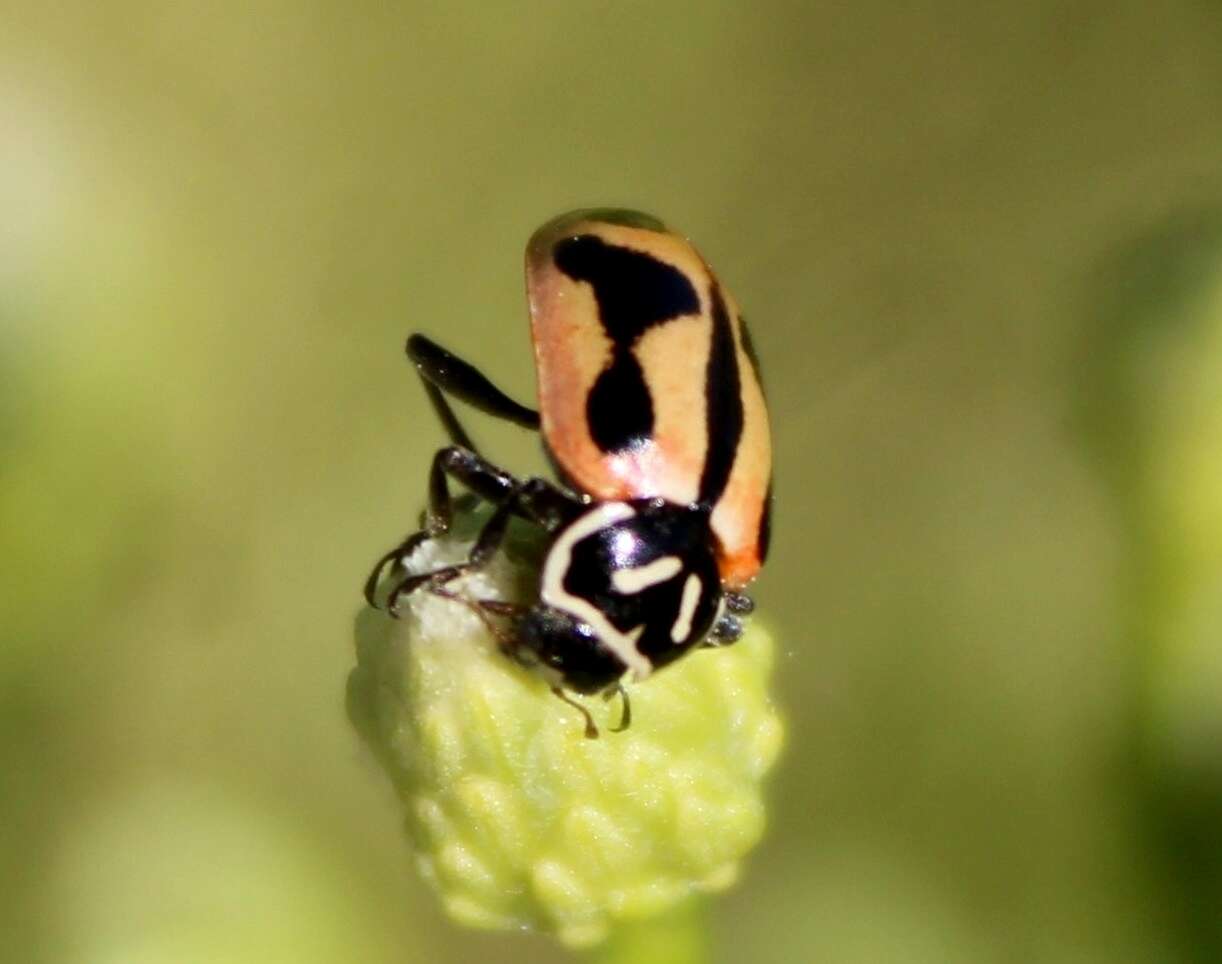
(728, 629)
(625, 719)
(471, 470)
(442, 372)
(491, 535)
(499, 607)
(546, 504)
(535, 500)
(729, 625)
(739, 603)
(394, 557)
(591, 729)
(486, 545)
(408, 585)
(481, 608)
(481, 477)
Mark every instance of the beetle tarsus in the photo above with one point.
(625, 719)
(433, 580)
(395, 556)
(739, 603)
(728, 629)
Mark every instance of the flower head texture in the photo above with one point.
(517, 819)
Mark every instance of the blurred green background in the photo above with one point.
(979, 248)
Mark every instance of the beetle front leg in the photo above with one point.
(480, 476)
(490, 537)
(393, 558)
(471, 470)
(547, 505)
(535, 500)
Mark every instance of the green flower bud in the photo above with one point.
(517, 818)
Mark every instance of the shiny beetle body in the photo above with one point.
(652, 411)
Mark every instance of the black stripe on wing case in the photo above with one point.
(765, 534)
(635, 292)
(723, 403)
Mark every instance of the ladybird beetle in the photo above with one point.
(652, 411)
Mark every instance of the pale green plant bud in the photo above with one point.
(517, 819)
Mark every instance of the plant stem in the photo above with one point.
(677, 937)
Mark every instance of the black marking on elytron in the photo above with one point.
(744, 335)
(765, 533)
(723, 417)
(635, 291)
(619, 410)
(765, 529)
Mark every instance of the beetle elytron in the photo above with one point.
(652, 411)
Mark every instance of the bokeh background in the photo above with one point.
(981, 249)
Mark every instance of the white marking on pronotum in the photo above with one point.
(687, 609)
(623, 645)
(631, 581)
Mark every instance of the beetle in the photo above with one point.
(652, 411)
